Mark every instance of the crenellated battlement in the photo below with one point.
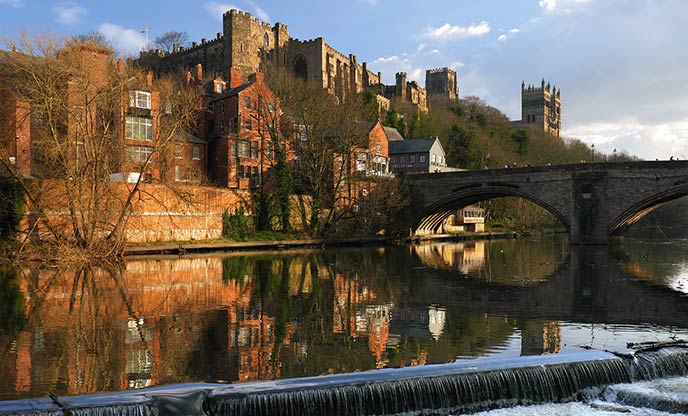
(440, 70)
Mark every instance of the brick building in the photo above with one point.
(237, 123)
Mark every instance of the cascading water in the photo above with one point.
(461, 387)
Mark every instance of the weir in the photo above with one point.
(461, 387)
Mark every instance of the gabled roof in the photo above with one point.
(188, 138)
(232, 92)
(412, 145)
(392, 134)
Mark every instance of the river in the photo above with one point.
(262, 316)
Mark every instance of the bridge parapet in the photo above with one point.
(593, 201)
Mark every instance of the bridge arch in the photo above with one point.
(431, 217)
(638, 210)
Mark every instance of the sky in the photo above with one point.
(621, 65)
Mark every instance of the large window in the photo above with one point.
(244, 149)
(138, 153)
(140, 99)
(139, 128)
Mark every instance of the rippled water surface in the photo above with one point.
(247, 317)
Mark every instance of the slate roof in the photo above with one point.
(392, 134)
(411, 146)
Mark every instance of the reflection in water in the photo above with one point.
(257, 317)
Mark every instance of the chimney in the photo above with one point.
(149, 78)
(235, 79)
(188, 77)
(257, 77)
(199, 72)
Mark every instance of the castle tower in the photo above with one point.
(400, 90)
(440, 83)
(541, 107)
(249, 43)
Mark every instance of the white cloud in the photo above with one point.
(451, 32)
(13, 3)
(68, 14)
(561, 6)
(502, 38)
(455, 65)
(514, 30)
(260, 13)
(126, 40)
(218, 9)
(648, 141)
(383, 60)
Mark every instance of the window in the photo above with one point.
(243, 149)
(219, 87)
(254, 149)
(266, 40)
(240, 171)
(222, 126)
(178, 173)
(249, 124)
(247, 102)
(254, 172)
(434, 158)
(412, 159)
(211, 106)
(403, 159)
(178, 152)
(196, 153)
(139, 128)
(138, 153)
(268, 150)
(222, 108)
(234, 147)
(422, 159)
(140, 99)
(303, 134)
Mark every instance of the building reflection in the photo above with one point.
(246, 318)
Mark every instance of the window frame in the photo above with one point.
(134, 126)
(140, 99)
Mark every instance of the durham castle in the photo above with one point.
(250, 45)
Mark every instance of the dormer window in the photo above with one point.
(140, 99)
(219, 87)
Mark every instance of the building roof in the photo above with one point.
(411, 146)
(392, 134)
(189, 138)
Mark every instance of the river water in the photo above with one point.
(262, 316)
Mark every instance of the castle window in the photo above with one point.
(266, 40)
(140, 99)
(241, 47)
(301, 67)
(139, 128)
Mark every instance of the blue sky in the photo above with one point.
(622, 65)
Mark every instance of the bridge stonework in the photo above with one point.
(593, 201)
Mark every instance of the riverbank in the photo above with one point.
(204, 247)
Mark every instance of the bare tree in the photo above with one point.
(321, 130)
(167, 40)
(74, 95)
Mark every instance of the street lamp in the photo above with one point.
(592, 155)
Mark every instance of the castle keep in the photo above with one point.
(541, 107)
(440, 83)
(250, 45)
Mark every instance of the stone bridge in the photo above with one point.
(593, 201)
